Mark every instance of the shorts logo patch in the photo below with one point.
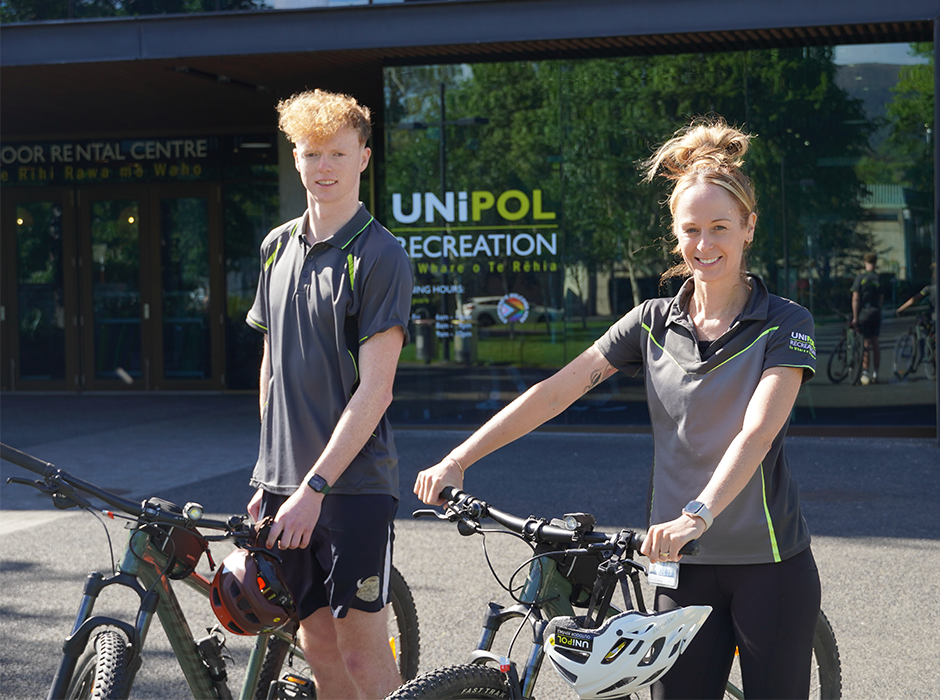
(368, 589)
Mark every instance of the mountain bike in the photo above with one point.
(101, 655)
(845, 360)
(573, 566)
(918, 345)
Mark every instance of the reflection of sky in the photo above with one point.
(895, 54)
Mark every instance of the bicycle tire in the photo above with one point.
(463, 682)
(838, 367)
(855, 353)
(905, 354)
(101, 673)
(826, 660)
(930, 358)
(405, 638)
(826, 671)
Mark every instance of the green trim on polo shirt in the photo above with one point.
(770, 522)
(270, 260)
(649, 332)
(769, 330)
(353, 237)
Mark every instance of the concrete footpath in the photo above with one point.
(871, 505)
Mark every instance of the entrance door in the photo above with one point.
(151, 293)
(39, 309)
(112, 288)
(186, 288)
(116, 328)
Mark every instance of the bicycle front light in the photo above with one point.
(193, 511)
(579, 521)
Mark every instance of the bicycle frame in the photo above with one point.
(546, 594)
(142, 570)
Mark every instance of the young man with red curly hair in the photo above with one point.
(333, 300)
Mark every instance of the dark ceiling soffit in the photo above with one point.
(471, 24)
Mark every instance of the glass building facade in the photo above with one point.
(129, 262)
(514, 188)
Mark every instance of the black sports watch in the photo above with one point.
(318, 484)
(697, 509)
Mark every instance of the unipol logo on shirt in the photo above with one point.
(802, 343)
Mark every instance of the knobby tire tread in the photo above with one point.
(826, 654)
(464, 682)
(101, 673)
(403, 607)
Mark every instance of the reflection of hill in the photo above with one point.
(871, 83)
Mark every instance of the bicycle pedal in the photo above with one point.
(291, 687)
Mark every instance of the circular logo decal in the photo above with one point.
(512, 308)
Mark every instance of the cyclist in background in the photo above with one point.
(929, 293)
(867, 296)
(333, 302)
(723, 363)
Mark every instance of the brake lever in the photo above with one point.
(63, 497)
(429, 513)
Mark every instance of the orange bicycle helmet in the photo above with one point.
(249, 594)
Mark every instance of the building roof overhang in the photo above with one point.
(223, 72)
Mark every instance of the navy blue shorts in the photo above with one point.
(869, 322)
(348, 561)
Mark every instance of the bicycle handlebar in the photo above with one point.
(539, 530)
(59, 481)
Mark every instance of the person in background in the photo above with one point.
(723, 362)
(929, 293)
(333, 302)
(867, 297)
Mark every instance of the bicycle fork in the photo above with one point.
(85, 624)
(496, 616)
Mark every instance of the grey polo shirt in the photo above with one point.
(697, 400)
(318, 304)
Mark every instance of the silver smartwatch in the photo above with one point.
(697, 509)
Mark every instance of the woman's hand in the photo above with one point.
(664, 541)
(432, 481)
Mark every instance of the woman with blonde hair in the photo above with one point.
(723, 362)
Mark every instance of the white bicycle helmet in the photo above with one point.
(625, 654)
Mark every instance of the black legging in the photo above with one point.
(768, 611)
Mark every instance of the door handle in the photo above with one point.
(146, 312)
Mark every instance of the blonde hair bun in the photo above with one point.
(703, 145)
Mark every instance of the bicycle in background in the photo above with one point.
(101, 655)
(918, 345)
(574, 566)
(845, 360)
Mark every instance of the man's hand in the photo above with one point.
(432, 481)
(296, 519)
(254, 505)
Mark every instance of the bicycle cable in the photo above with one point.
(515, 635)
(107, 534)
(486, 555)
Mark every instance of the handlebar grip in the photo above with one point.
(449, 493)
(690, 548)
(21, 459)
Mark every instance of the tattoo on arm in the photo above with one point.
(598, 375)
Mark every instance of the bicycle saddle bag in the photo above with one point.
(182, 546)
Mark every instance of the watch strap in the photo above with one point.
(318, 484)
(697, 509)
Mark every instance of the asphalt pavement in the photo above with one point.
(871, 504)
